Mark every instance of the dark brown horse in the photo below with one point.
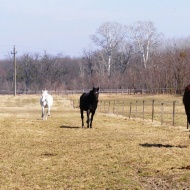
(186, 102)
(88, 103)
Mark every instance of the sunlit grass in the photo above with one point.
(117, 153)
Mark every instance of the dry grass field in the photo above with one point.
(117, 153)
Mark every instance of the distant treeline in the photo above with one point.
(119, 62)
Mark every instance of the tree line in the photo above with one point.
(136, 57)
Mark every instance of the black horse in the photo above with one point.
(186, 102)
(88, 103)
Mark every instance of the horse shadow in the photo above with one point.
(162, 145)
(68, 127)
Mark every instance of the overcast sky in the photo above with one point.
(65, 26)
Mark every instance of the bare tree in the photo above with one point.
(124, 56)
(145, 38)
(88, 55)
(109, 35)
(27, 71)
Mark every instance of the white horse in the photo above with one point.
(46, 101)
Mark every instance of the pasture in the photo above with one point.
(117, 153)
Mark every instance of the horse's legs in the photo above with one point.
(48, 111)
(187, 124)
(42, 112)
(187, 108)
(92, 115)
(88, 118)
(82, 117)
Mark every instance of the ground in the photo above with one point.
(117, 153)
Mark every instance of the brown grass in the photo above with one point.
(117, 153)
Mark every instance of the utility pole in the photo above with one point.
(14, 63)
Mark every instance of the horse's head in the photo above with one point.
(96, 92)
(44, 95)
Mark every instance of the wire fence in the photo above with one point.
(166, 113)
(105, 91)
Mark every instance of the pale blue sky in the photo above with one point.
(66, 25)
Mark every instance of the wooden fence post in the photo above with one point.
(123, 108)
(109, 107)
(136, 110)
(114, 106)
(174, 113)
(162, 112)
(153, 110)
(143, 110)
(130, 110)
(117, 108)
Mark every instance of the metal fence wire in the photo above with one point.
(166, 113)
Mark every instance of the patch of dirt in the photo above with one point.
(49, 154)
(154, 183)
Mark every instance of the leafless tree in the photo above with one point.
(26, 71)
(145, 37)
(108, 37)
(124, 56)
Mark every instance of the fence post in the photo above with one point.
(114, 106)
(174, 112)
(109, 107)
(123, 108)
(130, 110)
(153, 110)
(117, 108)
(136, 110)
(162, 112)
(143, 109)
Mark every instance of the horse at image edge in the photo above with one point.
(186, 102)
